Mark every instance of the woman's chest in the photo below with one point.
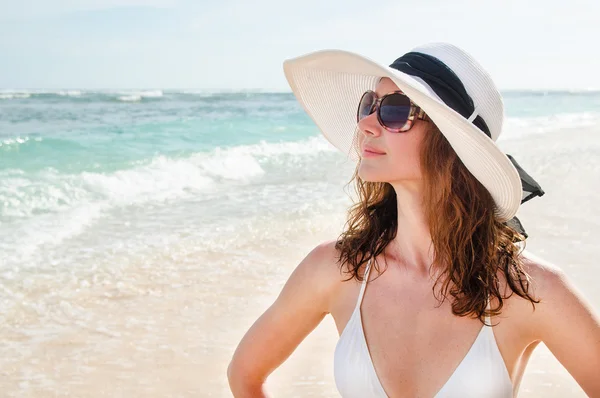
(416, 343)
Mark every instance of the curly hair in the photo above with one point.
(470, 244)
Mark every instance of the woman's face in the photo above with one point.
(401, 158)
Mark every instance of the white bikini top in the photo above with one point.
(482, 372)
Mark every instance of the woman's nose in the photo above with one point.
(369, 125)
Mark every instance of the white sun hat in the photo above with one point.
(453, 89)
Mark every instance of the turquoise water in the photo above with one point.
(75, 131)
(105, 132)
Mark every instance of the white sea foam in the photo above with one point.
(129, 98)
(163, 178)
(69, 93)
(27, 195)
(15, 141)
(229, 165)
(48, 207)
(53, 229)
(134, 96)
(310, 146)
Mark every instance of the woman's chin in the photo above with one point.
(370, 175)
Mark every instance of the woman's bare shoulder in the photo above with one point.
(327, 250)
(323, 264)
(541, 271)
(549, 284)
(326, 261)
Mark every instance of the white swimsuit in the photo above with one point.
(481, 374)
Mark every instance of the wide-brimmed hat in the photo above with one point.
(453, 89)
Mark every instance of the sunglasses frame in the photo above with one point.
(415, 111)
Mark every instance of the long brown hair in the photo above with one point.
(470, 244)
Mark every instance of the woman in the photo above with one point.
(437, 200)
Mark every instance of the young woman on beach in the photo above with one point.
(436, 206)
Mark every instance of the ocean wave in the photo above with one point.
(9, 96)
(69, 93)
(516, 127)
(130, 98)
(134, 96)
(74, 94)
(14, 142)
(25, 194)
(48, 207)
(162, 179)
(309, 146)
(54, 228)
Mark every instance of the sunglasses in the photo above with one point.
(395, 111)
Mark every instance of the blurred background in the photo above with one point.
(159, 182)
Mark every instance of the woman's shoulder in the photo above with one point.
(544, 279)
(322, 263)
(326, 256)
(539, 271)
(326, 251)
(542, 272)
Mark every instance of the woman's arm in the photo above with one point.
(302, 304)
(567, 323)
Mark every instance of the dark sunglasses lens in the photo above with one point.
(365, 107)
(395, 110)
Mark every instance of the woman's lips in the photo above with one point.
(368, 154)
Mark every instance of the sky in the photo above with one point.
(235, 44)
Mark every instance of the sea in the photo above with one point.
(142, 232)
